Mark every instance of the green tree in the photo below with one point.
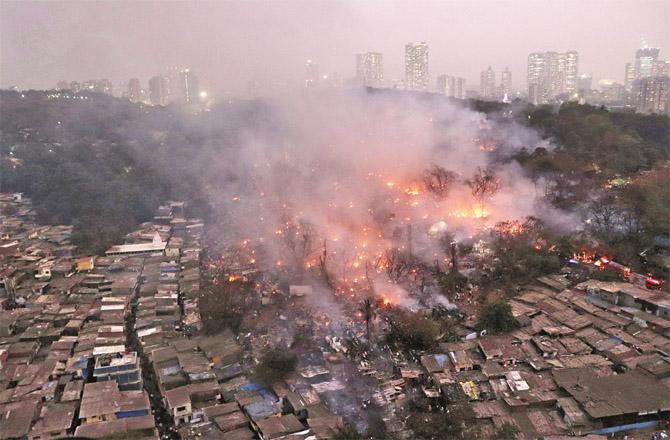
(275, 365)
(412, 331)
(496, 317)
(451, 424)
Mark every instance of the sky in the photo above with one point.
(230, 43)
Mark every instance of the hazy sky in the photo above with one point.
(229, 43)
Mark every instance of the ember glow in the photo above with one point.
(350, 185)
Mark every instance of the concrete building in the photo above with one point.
(370, 68)
(158, 90)
(451, 86)
(487, 84)
(125, 369)
(506, 83)
(134, 90)
(311, 74)
(157, 246)
(650, 95)
(552, 75)
(416, 66)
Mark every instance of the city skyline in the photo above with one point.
(179, 34)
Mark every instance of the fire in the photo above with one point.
(386, 302)
(412, 191)
(514, 228)
(474, 212)
(233, 278)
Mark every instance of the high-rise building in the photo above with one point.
(134, 90)
(188, 87)
(75, 86)
(552, 75)
(487, 84)
(158, 90)
(105, 86)
(505, 83)
(645, 60)
(584, 84)
(174, 84)
(451, 86)
(661, 68)
(370, 68)
(611, 92)
(568, 72)
(629, 77)
(62, 85)
(538, 89)
(416, 66)
(643, 93)
(651, 94)
(311, 74)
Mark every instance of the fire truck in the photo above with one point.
(648, 281)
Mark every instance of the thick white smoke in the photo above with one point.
(345, 168)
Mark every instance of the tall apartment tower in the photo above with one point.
(487, 84)
(189, 86)
(629, 77)
(370, 68)
(552, 75)
(134, 90)
(416, 66)
(506, 83)
(645, 62)
(451, 86)
(158, 90)
(311, 74)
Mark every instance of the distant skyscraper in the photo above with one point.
(134, 90)
(158, 90)
(370, 68)
(552, 75)
(189, 87)
(416, 66)
(487, 84)
(646, 65)
(651, 94)
(62, 85)
(612, 92)
(311, 74)
(104, 86)
(75, 86)
(629, 77)
(645, 60)
(506, 83)
(584, 84)
(451, 86)
(661, 68)
(568, 71)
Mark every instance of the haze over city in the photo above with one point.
(231, 44)
(335, 220)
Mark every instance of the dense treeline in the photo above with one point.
(104, 164)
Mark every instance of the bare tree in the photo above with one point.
(299, 238)
(323, 265)
(396, 263)
(484, 184)
(438, 180)
(368, 311)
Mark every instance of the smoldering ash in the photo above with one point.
(342, 185)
